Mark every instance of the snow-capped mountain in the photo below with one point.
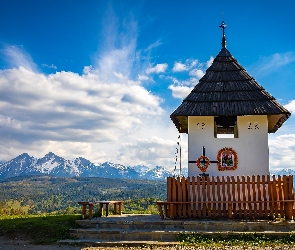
(52, 164)
(285, 171)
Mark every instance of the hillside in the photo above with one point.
(48, 194)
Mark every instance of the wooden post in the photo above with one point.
(90, 210)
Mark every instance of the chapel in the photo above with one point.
(227, 117)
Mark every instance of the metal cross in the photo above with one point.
(203, 161)
(222, 26)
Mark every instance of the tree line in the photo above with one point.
(47, 194)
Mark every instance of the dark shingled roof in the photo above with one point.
(225, 90)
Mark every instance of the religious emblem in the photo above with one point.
(227, 159)
(203, 163)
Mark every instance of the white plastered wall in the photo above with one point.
(251, 145)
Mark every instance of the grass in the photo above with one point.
(42, 229)
(246, 240)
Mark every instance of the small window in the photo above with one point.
(225, 127)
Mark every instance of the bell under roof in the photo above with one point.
(228, 90)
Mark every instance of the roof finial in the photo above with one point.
(223, 26)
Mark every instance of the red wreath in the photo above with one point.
(200, 165)
(223, 167)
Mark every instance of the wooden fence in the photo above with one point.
(255, 197)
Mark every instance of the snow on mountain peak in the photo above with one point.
(52, 164)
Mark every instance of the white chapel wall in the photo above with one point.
(251, 145)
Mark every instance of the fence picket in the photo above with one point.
(275, 196)
(254, 192)
(260, 212)
(223, 186)
(281, 196)
(218, 195)
(204, 214)
(199, 195)
(234, 196)
(239, 205)
(249, 197)
(264, 190)
(194, 197)
(188, 192)
(208, 196)
(179, 197)
(213, 197)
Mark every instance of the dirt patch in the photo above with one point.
(20, 243)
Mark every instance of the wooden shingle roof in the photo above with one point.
(226, 90)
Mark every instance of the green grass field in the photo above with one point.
(42, 229)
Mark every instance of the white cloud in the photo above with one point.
(52, 66)
(181, 88)
(16, 56)
(143, 151)
(142, 77)
(291, 106)
(159, 68)
(180, 91)
(209, 62)
(189, 63)
(197, 73)
(154, 45)
(268, 64)
(179, 67)
(281, 149)
(87, 69)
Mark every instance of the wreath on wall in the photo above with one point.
(227, 159)
(203, 163)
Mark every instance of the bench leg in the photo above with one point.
(172, 211)
(107, 210)
(90, 211)
(115, 208)
(83, 211)
(101, 209)
(230, 211)
(289, 210)
(161, 211)
(120, 208)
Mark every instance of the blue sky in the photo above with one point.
(99, 79)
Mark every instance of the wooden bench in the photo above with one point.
(167, 208)
(102, 204)
(84, 208)
(117, 207)
(170, 211)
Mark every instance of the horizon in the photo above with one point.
(99, 80)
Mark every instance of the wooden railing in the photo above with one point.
(254, 197)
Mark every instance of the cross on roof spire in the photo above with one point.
(223, 26)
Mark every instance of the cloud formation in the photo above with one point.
(189, 63)
(274, 62)
(93, 114)
(291, 106)
(281, 149)
(183, 85)
(159, 68)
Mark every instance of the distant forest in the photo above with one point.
(46, 194)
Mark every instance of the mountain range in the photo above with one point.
(54, 165)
